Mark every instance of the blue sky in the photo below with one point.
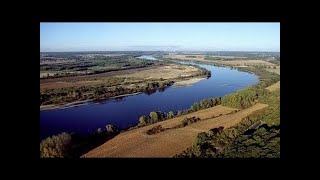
(160, 36)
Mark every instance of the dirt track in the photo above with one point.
(136, 143)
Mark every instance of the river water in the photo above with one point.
(125, 112)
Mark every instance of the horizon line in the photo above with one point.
(158, 51)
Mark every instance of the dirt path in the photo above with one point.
(274, 86)
(136, 143)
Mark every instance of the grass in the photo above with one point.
(137, 143)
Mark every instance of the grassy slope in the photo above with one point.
(257, 135)
(137, 143)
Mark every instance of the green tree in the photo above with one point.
(170, 115)
(143, 120)
(154, 117)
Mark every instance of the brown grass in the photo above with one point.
(165, 72)
(274, 86)
(131, 76)
(136, 143)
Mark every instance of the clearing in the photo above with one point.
(136, 143)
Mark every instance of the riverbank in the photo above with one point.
(62, 106)
(80, 103)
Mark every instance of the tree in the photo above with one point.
(170, 115)
(195, 106)
(110, 129)
(143, 120)
(56, 146)
(154, 117)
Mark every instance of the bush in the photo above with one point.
(170, 115)
(143, 120)
(154, 117)
(57, 146)
(111, 129)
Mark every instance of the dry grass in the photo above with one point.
(165, 72)
(136, 143)
(274, 86)
(131, 76)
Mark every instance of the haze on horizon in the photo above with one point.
(56, 37)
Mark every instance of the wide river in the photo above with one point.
(125, 112)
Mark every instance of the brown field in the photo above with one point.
(76, 81)
(274, 86)
(136, 143)
(165, 72)
(128, 76)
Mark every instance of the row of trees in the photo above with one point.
(157, 116)
(206, 103)
(244, 98)
(70, 94)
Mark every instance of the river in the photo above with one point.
(125, 112)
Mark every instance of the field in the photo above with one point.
(274, 87)
(172, 71)
(68, 89)
(225, 61)
(85, 80)
(136, 143)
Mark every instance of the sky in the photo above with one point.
(159, 37)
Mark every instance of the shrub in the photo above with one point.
(56, 146)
